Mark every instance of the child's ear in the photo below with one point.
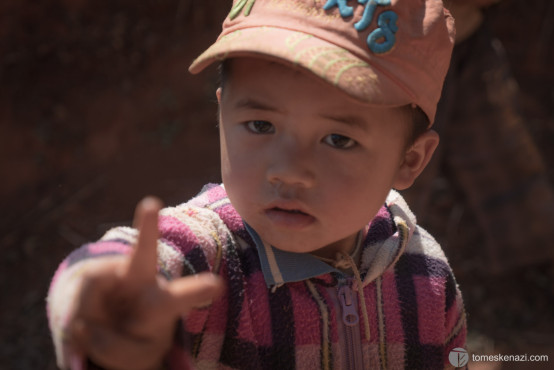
(416, 159)
(218, 94)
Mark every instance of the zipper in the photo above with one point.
(351, 320)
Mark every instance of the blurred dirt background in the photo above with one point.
(97, 110)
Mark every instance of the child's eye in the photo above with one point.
(339, 141)
(260, 127)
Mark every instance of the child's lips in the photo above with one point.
(289, 216)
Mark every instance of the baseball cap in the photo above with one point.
(381, 52)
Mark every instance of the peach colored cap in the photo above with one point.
(382, 52)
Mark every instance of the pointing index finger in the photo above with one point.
(143, 262)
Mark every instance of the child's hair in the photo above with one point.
(418, 117)
(420, 120)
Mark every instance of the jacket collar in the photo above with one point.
(280, 267)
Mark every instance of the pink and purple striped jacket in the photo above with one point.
(275, 315)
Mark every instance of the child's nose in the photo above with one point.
(292, 163)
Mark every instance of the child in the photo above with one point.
(325, 106)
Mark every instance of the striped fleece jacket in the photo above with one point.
(278, 314)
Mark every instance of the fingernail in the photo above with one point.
(151, 202)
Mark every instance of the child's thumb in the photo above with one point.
(195, 291)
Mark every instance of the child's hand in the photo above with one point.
(126, 315)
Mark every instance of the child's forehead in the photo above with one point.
(264, 85)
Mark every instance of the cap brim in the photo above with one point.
(333, 64)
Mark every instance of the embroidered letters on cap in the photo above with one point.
(383, 38)
(237, 8)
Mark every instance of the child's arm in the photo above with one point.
(124, 314)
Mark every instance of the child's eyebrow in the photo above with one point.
(249, 103)
(347, 119)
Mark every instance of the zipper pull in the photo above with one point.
(350, 315)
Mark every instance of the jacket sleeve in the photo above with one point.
(191, 241)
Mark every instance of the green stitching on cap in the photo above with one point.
(237, 8)
(292, 41)
(346, 68)
(332, 63)
(323, 53)
(298, 55)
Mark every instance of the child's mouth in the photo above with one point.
(289, 218)
(293, 211)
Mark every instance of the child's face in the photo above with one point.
(305, 165)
